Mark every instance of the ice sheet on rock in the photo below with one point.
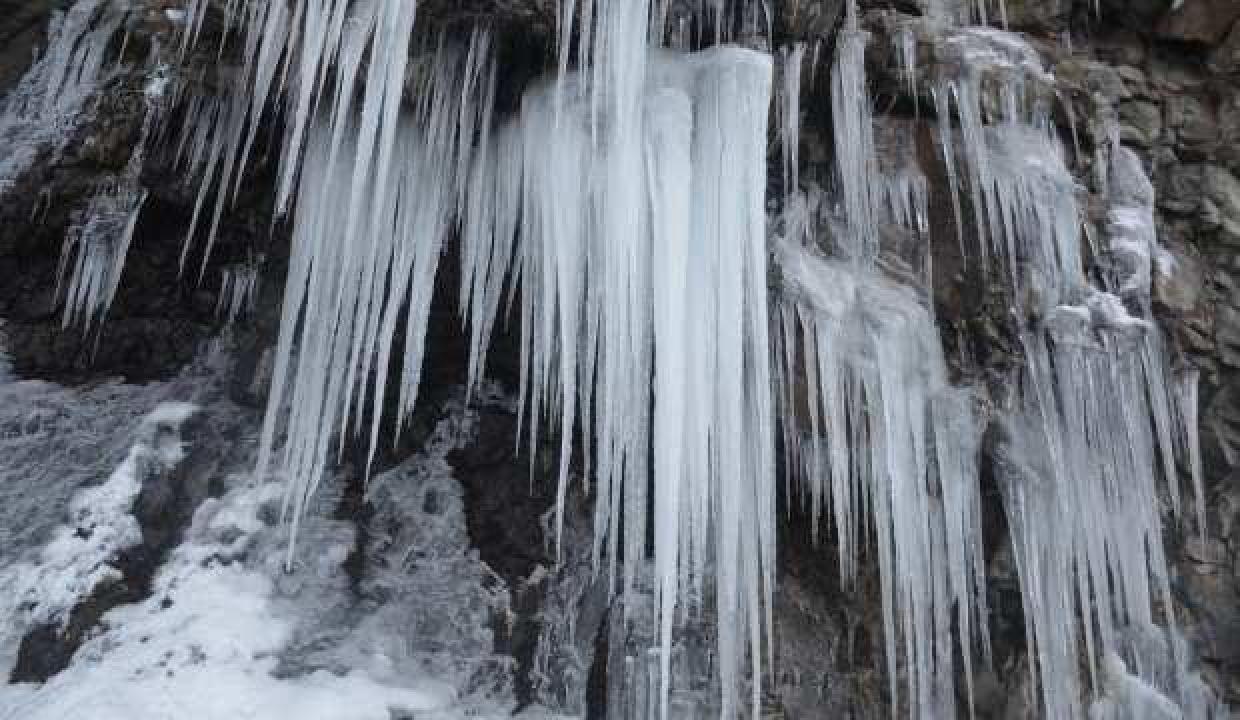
(1146, 678)
(635, 648)
(1131, 232)
(441, 610)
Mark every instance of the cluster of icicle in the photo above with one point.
(238, 290)
(96, 246)
(1098, 418)
(93, 254)
(621, 212)
(58, 95)
(871, 427)
(627, 203)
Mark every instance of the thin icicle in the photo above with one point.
(793, 58)
(1187, 402)
(238, 291)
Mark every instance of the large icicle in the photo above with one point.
(647, 266)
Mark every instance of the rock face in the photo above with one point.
(1168, 74)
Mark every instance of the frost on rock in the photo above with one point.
(448, 608)
(207, 643)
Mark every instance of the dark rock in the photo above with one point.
(23, 24)
(1140, 122)
(1199, 21)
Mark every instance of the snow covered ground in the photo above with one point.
(226, 633)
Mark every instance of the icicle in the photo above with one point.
(669, 163)
(1186, 400)
(607, 209)
(93, 255)
(238, 291)
(854, 137)
(790, 115)
(905, 40)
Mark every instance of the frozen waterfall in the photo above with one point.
(702, 351)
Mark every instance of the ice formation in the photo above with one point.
(621, 215)
(94, 252)
(881, 439)
(238, 290)
(42, 117)
(642, 252)
(54, 99)
(1094, 431)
